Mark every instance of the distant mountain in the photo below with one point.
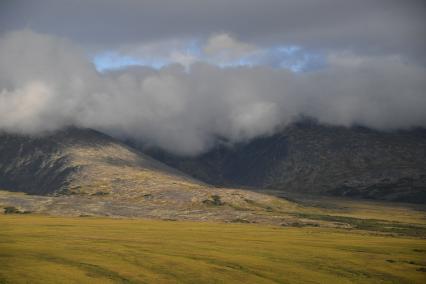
(307, 157)
(80, 161)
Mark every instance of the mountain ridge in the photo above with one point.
(50, 163)
(307, 157)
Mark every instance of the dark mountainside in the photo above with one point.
(37, 165)
(310, 158)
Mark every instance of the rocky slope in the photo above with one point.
(76, 161)
(310, 158)
(84, 172)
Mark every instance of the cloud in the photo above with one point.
(365, 26)
(22, 109)
(223, 48)
(47, 83)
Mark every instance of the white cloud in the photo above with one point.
(47, 83)
(223, 48)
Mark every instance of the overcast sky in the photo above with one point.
(180, 73)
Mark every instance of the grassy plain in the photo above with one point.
(46, 249)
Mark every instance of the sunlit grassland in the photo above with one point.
(43, 249)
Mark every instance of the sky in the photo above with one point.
(184, 74)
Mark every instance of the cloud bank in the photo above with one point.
(365, 26)
(47, 83)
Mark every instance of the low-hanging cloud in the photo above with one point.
(47, 83)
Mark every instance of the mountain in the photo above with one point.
(80, 161)
(82, 172)
(307, 157)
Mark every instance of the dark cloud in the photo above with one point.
(364, 26)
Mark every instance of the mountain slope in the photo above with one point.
(84, 172)
(80, 161)
(308, 157)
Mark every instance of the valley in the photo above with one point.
(212, 142)
(83, 207)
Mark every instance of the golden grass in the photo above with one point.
(42, 249)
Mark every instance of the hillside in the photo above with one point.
(307, 157)
(84, 172)
(80, 161)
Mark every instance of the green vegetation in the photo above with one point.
(14, 210)
(11, 210)
(370, 224)
(100, 193)
(42, 249)
(216, 201)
